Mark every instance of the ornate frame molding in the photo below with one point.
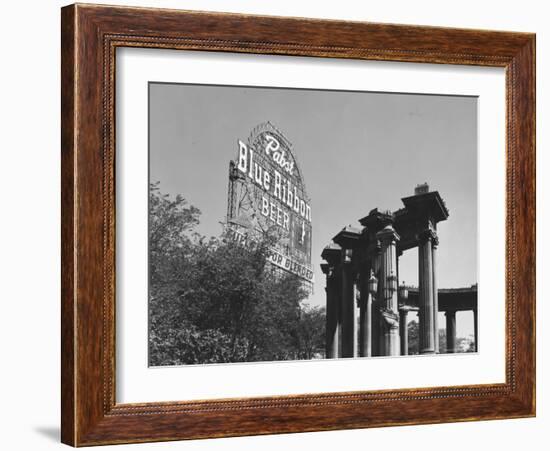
(90, 36)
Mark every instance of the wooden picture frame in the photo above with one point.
(90, 35)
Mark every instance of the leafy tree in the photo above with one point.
(187, 344)
(312, 332)
(414, 340)
(414, 343)
(214, 300)
(171, 223)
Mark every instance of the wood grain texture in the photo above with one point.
(90, 35)
(67, 225)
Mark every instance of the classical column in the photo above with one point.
(435, 242)
(356, 295)
(361, 326)
(332, 312)
(388, 290)
(348, 305)
(475, 329)
(450, 317)
(367, 324)
(365, 317)
(375, 305)
(403, 330)
(426, 293)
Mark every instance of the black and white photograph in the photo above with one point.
(296, 224)
(259, 226)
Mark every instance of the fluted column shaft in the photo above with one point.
(436, 297)
(356, 320)
(361, 330)
(332, 314)
(367, 325)
(476, 332)
(375, 309)
(365, 318)
(348, 305)
(388, 304)
(450, 317)
(426, 302)
(403, 331)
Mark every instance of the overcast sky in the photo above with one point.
(357, 151)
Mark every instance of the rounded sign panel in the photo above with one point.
(267, 193)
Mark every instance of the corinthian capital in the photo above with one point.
(387, 234)
(428, 234)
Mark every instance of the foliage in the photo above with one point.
(311, 332)
(414, 341)
(215, 301)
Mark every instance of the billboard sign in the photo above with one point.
(267, 193)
